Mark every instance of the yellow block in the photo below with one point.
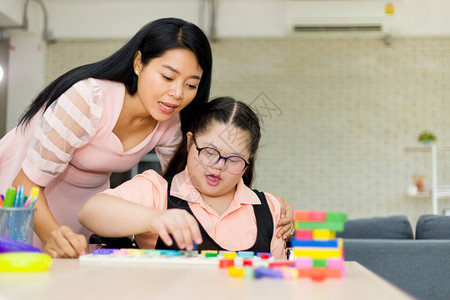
(236, 272)
(230, 255)
(318, 253)
(323, 234)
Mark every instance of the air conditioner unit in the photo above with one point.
(338, 16)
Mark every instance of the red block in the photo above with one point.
(317, 215)
(265, 256)
(318, 274)
(225, 263)
(304, 234)
(247, 263)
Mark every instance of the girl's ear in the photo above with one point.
(137, 62)
(189, 136)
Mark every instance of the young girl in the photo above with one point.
(204, 195)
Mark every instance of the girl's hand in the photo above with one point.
(64, 243)
(286, 218)
(180, 224)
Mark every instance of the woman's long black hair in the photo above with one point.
(152, 41)
(228, 111)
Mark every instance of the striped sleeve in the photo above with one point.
(69, 123)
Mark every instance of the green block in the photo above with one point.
(330, 225)
(336, 216)
(211, 254)
(319, 263)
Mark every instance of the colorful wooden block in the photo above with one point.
(318, 253)
(333, 243)
(289, 273)
(303, 262)
(304, 234)
(317, 215)
(230, 255)
(279, 264)
(263, 255)
(236, 272)
(226, 263)
(267, 272)
(204, 252)
(335, 263)
(336, 217)
(301, 215)
(330, 225)
(323, 234)
(246, 254)
(247, 262)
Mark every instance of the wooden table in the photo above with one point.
(68, 279)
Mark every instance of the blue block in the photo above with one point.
(170, 252)
(246, 254)
(267, 272)
(103, 251)
(332, 243)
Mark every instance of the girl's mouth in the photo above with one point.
(212, 179)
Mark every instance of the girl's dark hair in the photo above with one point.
(152, 41)
(224, 110)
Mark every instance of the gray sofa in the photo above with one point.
(386, 246)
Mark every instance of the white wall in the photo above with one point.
(100, 19)
(251, 18)
(11, 12)
(26, 73)
(26, 58)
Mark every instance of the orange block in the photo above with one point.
(301, 215)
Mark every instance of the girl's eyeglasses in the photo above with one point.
(209, 156)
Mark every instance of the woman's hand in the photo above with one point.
(64, 243)
(180, 224)
(286, 218)
(59, 241)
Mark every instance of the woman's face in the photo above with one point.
(228, 140)
(167, 83)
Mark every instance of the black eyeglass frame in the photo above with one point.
(221, 157)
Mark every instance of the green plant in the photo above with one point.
(426, 137)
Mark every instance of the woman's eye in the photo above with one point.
(192, 86)
(167, 78)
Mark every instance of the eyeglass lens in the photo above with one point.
(210, 156)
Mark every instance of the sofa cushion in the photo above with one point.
(392, 227)
(433, 227)
(419, 267)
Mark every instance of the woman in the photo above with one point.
(102, 118)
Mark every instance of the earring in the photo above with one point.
(136, 71)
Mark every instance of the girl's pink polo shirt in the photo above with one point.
(234, 230)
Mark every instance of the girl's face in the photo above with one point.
(167, 83)
(228, 140)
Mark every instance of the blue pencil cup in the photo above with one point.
(17, 223)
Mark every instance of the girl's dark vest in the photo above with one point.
(264, 224)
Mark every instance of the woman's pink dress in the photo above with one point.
(71, 149)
